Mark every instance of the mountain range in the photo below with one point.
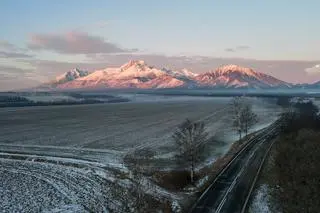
(138, 74)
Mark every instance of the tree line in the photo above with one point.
(295, 170)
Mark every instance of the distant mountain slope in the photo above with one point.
(315, 85)
(71, 75)
(234, 76)
(137, 74)
(134, 74)
(65, 77)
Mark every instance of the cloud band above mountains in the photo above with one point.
(99, 53)
(74, 43)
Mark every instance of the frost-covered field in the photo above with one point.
(34, 183)
(44, 184)
(66, 157)
(121, 126)
(38, 187)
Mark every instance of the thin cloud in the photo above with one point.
(229, 50)
(313, 70)
(14, 72)
(16, 78)
(94, 25)
(5, 45)
(10, 69)
(243, 47)
(237, 48)
(9, 47)
(14, 55)
(11, 51)
(73, 43)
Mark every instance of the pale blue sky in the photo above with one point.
(272, 29)
(261, 30)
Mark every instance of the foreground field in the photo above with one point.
(119, 127)
(110, 126)
(71, 155)
(39, 187)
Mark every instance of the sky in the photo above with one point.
(40, 39)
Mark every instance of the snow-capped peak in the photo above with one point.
(188, 73)
(71, 75)
(133, 63)
(226, 69)
(184, 73)
(238, 76)
(137, 74)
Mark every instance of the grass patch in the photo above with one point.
(173, 180)
(178, 180)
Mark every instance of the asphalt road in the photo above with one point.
(228, 192)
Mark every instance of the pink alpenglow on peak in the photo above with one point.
(137, 74)
(133, 63)
(134, 74)
(71, 75)
(234, 68)
(66, 77)
(234, 76)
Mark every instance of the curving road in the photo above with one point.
(229, 191)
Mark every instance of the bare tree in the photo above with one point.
(237, 105)
(139, 160)
(135, 196)
(243, 116)
(248, 117)
(190, 138)
(141, 167)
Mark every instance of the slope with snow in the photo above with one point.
(235, 76)
(183, 74)
(134, 74)
(315, 85)
(71, 75)
(137, 74)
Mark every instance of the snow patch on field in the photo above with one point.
(166, 155)
(67, 209)
(175, 207)
(28, 186)
(317, 102)
(260, 203)
(202, 181)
